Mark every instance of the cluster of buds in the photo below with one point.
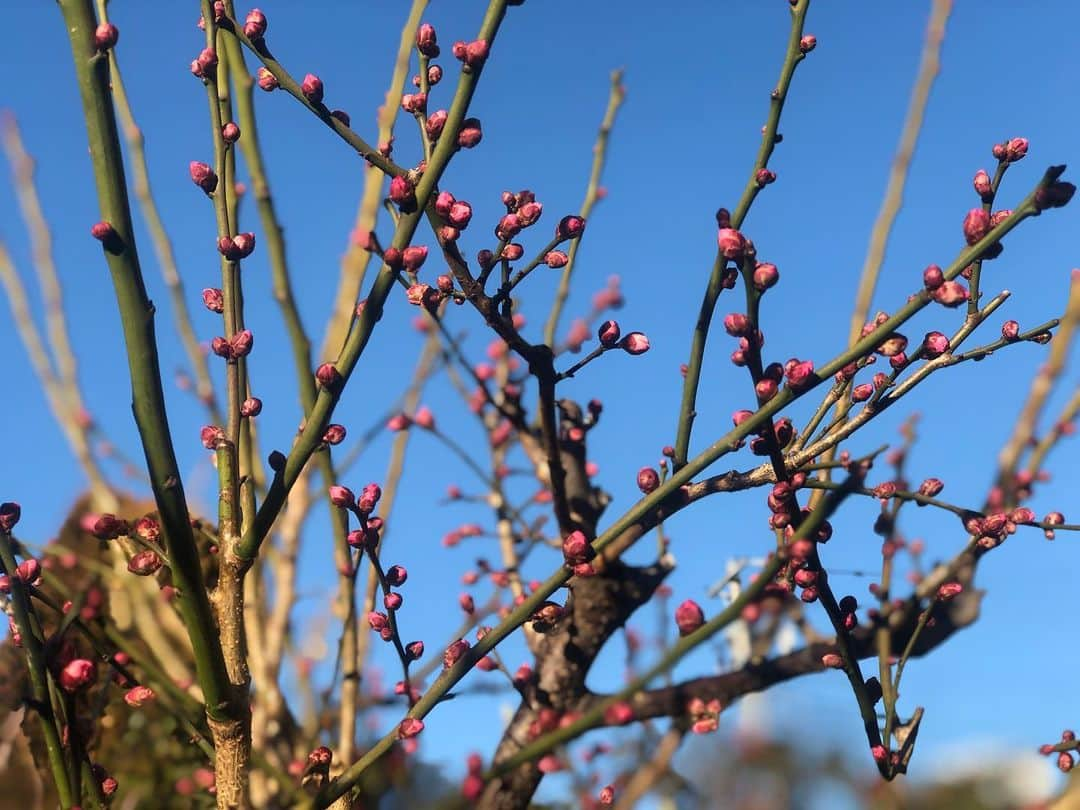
(234, 348)
(577, 553)
(471, 54)
(204, 66)
(1063, 749)
(238, 247)
(704, 716)
(457, 214)
(1011, 150)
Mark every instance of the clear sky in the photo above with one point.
(698, 75)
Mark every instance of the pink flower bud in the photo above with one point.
(77, 674)
(570, 227)
(459, 214)
(513, 252)
(105, 36)
(266, 80)
(1015, 149)
(648, 479)
(556, 259)
(414, 256)
(342, 497)
(976, 225)
(414, 650)
(472, 54)
(949, 590)
(211, 436)
(312, 88)
(240, 344)
(252, 406)
(766, 389)
(800, 374)
(508, 227)
(935, 344)
(327, 376)
(243, 244)
(931, 487)
(765, 276)
(335, 434)
(470, 134)
(414, 103)
(879, 753)
(213, 299)
(832, 661)
(369, 498)
(863, 392)
(403, 193)
(1065, 761)
(982, 183)
(933, 277)
(577, 549)
(392, 601)
(619, 713)
(377, 621)
(203, 176)
(396, 576)
(410, 727)
(607, 795)
(10, 512)
(145, 563)
(205, 63)
(255, 24)
(732, 244)
(434, 75)
(454, 652)
(426, 41)
(736, 324)
(138, 696)
(951, 294)
(467, 603)
(764, 177)
(634, 343)
(424, 418)
(230, 132)
(609, 334)
(435, 124)
(689, 617)
(807, 43)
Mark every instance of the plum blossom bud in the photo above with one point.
(933, 277)
(403, 193)
(689, 617)
(765, 276)
(213, 299)
(414, 256)
(410, 727)
(211, 436)
(424, 418)
(414, 103)
(255, 24)
(513, 252)
(976, 225)
(252, 406)
(103, 232)
(1065, 761)
(396, 575)
(392, 601)
(634, 343)
(240, 344)
(607, 795)
(736, 324)
(327, 376)
(77, 674)
(203, 176)
(556, 259)
(982, 183)
(609, 334)
(312, 88)
(951, 294)
(434, 75)
(9, 515)
(105, 36)
(266, 80)
(230, 132)
(863, 392)
(931, 487)
(529, 213)
(570, 227)
(764, 177)
(335, 434)
(577, 549)
(138, 696)
(832, 661)
(414, 650)
(435, 124)
(459, 215)
(368, 499)
(807, 43)
(342, 497)
(205, 63)
(473, 54)
(800, 374)
(935, 344)
(470, 133)
(619, 713)
(509, 226)
(454, 652)
(732, 244)
(145, 563)
(1015, 149)
(949, 590)
(426, 41)
(648, 479)
(467, 604)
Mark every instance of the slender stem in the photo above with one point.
(148, 399)
(688, 407)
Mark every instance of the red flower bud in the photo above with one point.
(577, 549)
(470, 133)
(424, 418)
(138, 696)
(765, 276)
(949, 590)
(414, 650)
(230, 132)
(426, 41)
(77, 674)
(931, 487)
(203, 176)
(556, 259)
(609, 334)
(145, 563)
(982, 183)
(951, 294)
(327, 376)
(454, 652)
(105, 36)
(935, 344)
(976, 225)
(312, 88)
(648, 479)
(255, 24)
(1015, 149)
(800, 374)
(211, 436)
(10, 512)
(570, 227)
(392, 601)
(410, 727)
(266, 80)
(764, 177)
(342, 497)
(807, 43)
(732, 244)
(473, 54)
(832, 661)
(689, 617)
(252, 406)
(213, 299)
(634, 343)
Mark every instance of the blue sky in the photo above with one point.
(698, 77)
